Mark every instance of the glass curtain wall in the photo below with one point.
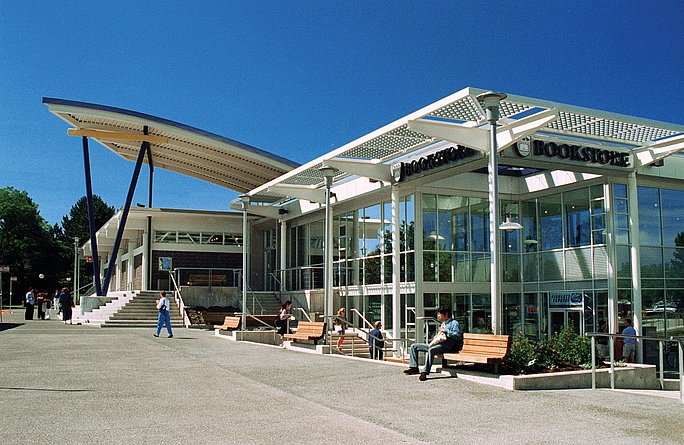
(661, 231)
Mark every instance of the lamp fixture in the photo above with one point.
(509, 225)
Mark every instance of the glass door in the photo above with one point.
(562, 317)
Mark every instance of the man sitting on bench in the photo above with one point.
(448, 339)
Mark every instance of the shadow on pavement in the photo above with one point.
(6, 326)
(43, 389)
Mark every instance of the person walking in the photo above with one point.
(29, 301)
(65, 301)
(164, 315)
(629, 346)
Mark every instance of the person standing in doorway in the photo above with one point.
(629, 347)
(29, 301)
(164, 315)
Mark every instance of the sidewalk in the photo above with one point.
(76, 384)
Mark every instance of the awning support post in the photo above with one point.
(91, 216)
(124, 214)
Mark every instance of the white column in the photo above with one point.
(610, 247)
(328, 272)
(145, 279)
(396, 264)
(634, 251)
(283, 254)
(245, 263)
(130, 273)
(118, 268)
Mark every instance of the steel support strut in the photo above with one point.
(91, 220)
(124, 215)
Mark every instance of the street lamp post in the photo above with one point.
(328, 173)
(491, 101)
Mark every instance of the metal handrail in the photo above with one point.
(179, 300)
(280, 286)
(660, 340)
(361, 316)
(244, 328)
(385, 339)
(303, 312)
(427, 321)
(249, 290)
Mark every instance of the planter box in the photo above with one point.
(634, 376)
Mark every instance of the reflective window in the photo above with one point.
(649, 216)
(577, 223)
(551, 222)
(673, 217)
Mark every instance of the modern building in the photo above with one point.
(589, 220)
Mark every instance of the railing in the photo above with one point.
(280, 284)
(331, 322)
(210, 277)
(360, 315)
(244, 328)
(255, 300)
(611, 349)
(427, 321)
(303, 312)
(303, 277)
(179, 300)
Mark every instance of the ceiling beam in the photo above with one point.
(118, 136)
(377, 172)
(649, 154)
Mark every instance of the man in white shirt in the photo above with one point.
(164, 314)
(29, 301)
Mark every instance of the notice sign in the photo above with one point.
(4, 269)
(13, 278)
(565, 299)
(89, 259)
(165, 263)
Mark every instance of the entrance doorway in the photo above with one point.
(561, 317)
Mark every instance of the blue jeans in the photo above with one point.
(439, 348)
(164, 318)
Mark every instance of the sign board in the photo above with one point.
(566, 299)
(13, 278)
(165, 263)
(89, 259)
(4, 269)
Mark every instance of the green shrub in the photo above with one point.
(566, 349)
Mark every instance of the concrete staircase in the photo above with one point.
(141, 312)
(268, 302)
(352, 345)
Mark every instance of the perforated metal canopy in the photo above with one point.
(397, 139)
(187, 150)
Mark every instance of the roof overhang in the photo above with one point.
(174, 146)
(461, 114)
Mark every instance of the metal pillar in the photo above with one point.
(245, 259)
(491, 101)
(396, 264)
(634, 251)
(76, 286)
(91, 219)
(328, 173)
(610, 247)
(283, 254)
(124, 214)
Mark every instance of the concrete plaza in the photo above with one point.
(78, 384)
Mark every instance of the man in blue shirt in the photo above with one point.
(452, 342)
(629, 346)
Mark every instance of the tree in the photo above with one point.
(27, 244)
(75, 224)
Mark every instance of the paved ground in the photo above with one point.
(76, 384)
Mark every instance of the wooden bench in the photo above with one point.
(307, 330)
(206, 280)
(229, 324)
(487, 349)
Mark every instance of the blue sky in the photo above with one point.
(300, 78)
